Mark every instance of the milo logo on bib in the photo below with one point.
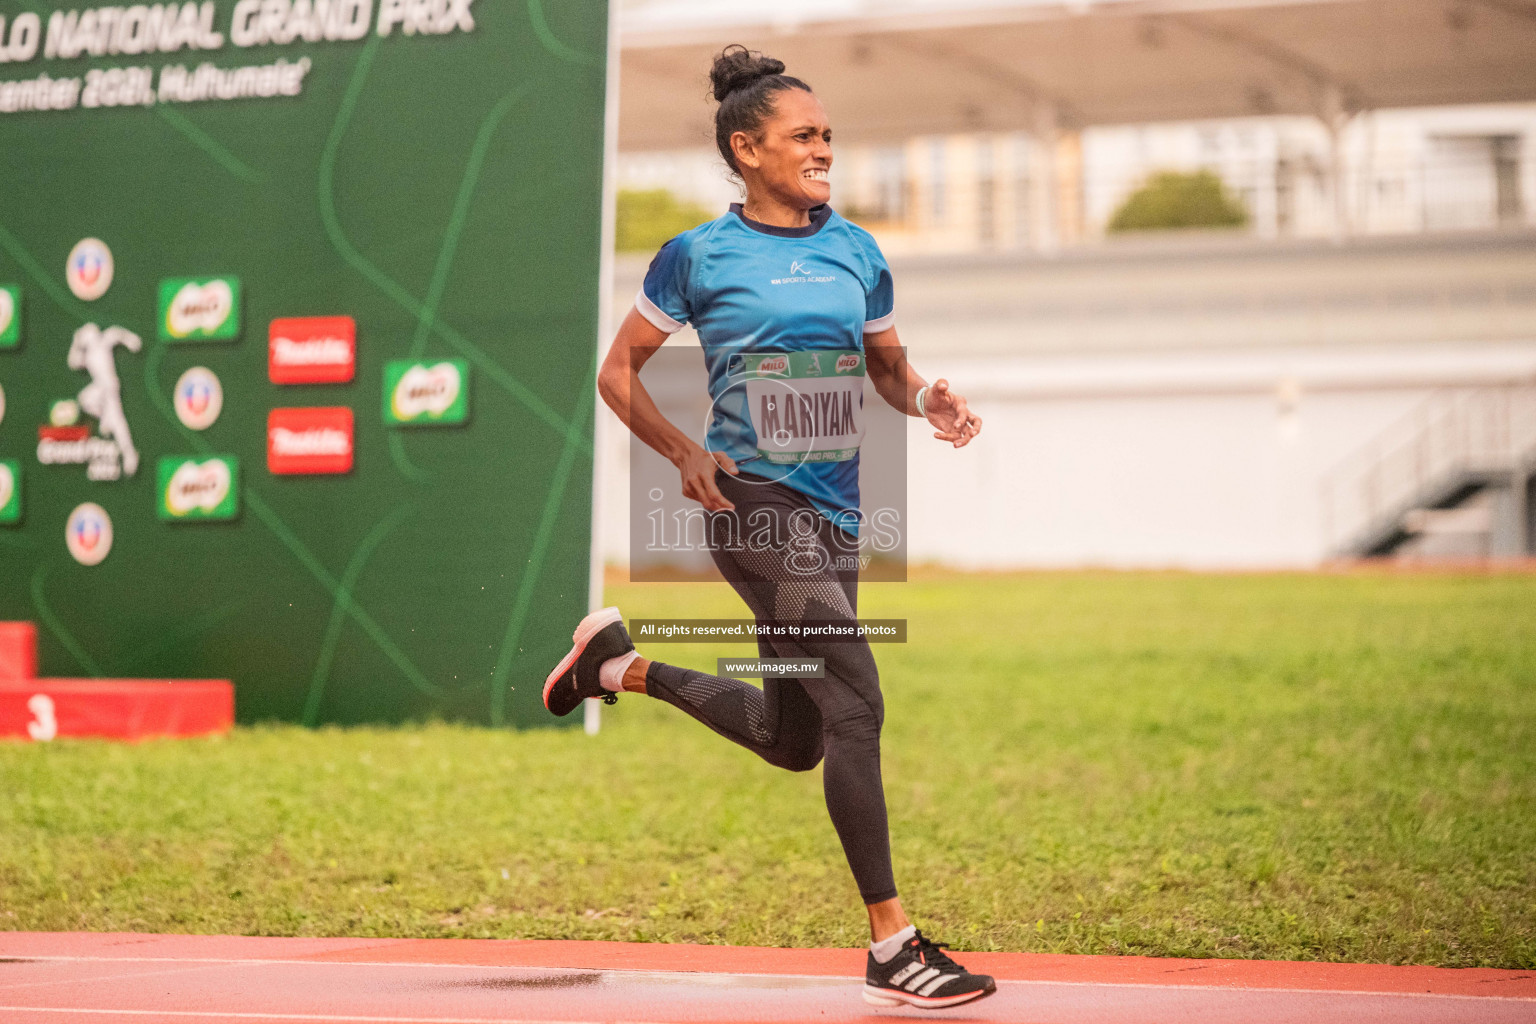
(806, 406)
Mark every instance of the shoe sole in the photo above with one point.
(892, 997)
(588, 628)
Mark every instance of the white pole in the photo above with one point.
(592, 716)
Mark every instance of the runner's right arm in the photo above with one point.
(619, 383)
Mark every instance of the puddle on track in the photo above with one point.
(564, 979)
(556, 978)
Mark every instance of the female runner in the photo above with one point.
(789, 300)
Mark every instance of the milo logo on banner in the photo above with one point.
(426, 394)
(10, 316)
(199, 309)
(198, 489)
(10, 492)
(805, 406)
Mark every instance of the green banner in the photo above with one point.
(175, 179)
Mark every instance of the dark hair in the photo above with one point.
(744, 82)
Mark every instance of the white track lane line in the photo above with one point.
(230, 1015)
(396, 965)
(93, 979)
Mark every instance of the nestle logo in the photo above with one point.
(309, 440)
(312, 350)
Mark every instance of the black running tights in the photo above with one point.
(793, 723)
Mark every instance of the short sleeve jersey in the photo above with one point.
(752, 289)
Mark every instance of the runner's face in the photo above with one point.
(794, 152)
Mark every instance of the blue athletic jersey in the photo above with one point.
(750, 288)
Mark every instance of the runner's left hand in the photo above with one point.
(948, 411)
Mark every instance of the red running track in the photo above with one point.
(51, 978)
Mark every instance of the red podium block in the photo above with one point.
(18, 650)
(123, 709)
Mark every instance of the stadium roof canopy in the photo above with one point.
(890, 69)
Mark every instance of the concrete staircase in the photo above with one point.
(1463, 463)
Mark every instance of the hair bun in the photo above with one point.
(736, 67)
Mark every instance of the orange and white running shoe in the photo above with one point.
(600, 636)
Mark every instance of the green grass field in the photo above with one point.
(1309, 767)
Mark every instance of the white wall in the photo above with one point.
(1168, 460)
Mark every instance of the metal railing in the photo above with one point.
(1454, 442)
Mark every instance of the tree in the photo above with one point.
(646, 219)
(1176, 199)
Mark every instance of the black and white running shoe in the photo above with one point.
(600, 636)
(922, 975)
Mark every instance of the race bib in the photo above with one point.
(806, 406)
